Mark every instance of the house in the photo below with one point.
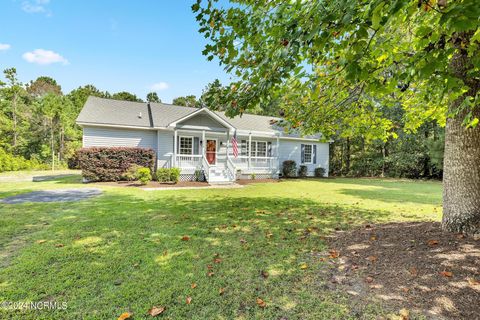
(200, 140)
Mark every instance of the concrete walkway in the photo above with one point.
(59, 195)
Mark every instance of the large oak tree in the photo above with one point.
(330, 66)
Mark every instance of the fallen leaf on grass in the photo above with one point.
(59, 245)
(446, 274)
(41, 241)
(372, 259)
(432, 243)
(268, 235)
(334, 254)
(210, 274)
(155, 311)
(124, 316)
(261, 303)
(217, 260)
(473, 282)
(404, 314)
(194, 285)
(304, 266)
(373, 237)
(264, 274)
(243, 241)
(413, 271)
(189, 300)
(221, 291)
(369, 279)
(185, 238)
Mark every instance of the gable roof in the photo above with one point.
(101, 111)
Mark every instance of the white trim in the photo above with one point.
(88, 124)
(206, 110)
(239, 132)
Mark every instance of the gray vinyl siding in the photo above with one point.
(291, 150)
(165, 149)
(202, 122)
(119, 137)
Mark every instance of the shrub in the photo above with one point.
(302, 171)
(174, 175)
(320, 172)
(289, 168)
(132, 173)
(163, 175)
(253, 176)
(9, 162)
(72, 162)
(144, 175)
(198, 175)
(109, 164)
(168, 174)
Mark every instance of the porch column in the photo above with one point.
(204, 142)
(249, 150)
(228, 142)
(278, 153)
(174, 162)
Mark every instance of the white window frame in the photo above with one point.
(180, 145)
(305, 154)
(254, 153)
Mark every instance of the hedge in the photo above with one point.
(110, 164)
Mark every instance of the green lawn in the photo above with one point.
(123, 251)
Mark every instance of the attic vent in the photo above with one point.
(140, 115)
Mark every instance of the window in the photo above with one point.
(259, 148)
(186, 145)
(308, 153)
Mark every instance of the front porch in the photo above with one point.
(203, 150)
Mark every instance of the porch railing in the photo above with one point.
(242, 162)
(189, 161)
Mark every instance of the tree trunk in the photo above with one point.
(347, 156)
(15, 133)
(461, 178)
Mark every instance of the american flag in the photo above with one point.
(235, 144)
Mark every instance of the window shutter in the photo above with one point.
(269, 149)
(314, 154)
(302, 153)
(196, 145)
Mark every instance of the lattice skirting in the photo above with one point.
(192, 177)
(244, 176)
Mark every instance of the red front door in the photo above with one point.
(211, 151)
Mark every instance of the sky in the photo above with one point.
(137, 46)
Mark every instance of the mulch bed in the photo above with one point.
(412, 266)
(154, 184)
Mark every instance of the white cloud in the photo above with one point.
(4, 46)
(159, 86)
(41, 56)
(36, 6)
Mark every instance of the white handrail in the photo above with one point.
(206, 167)
(231, 167)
